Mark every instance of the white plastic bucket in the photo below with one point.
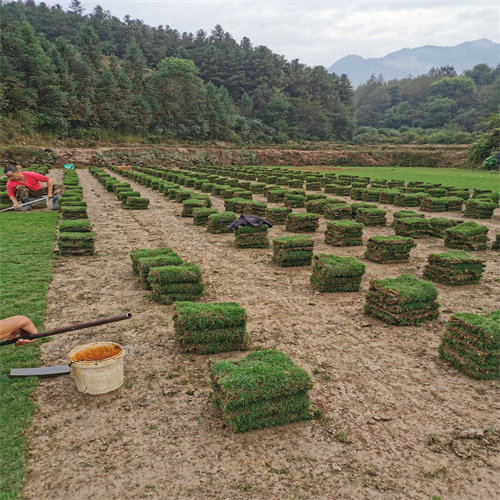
(100, 376)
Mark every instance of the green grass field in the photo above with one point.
(26, 253)
(480, 179)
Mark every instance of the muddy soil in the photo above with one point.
(392, 419)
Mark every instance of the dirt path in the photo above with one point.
(389, 406)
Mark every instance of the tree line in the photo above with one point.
(450, 106)
(82, 75)
(77, 75)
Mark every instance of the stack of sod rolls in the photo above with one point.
(389, 249)
(234, 205)
(75, 226)
(294, 200)
(277, 215)
(175, 283)
(337, 211)
(200, 215)
(258, 208)
(74, 212)
(317, 206)
(388, 195)
(356, 206)
(135, 203)
(414, 227)
(371, 216)
(145, 264)
(344, 233)
(332, 273)
(141, 253)
(217, 223)
(251, 236)
(428, 204)
(190, 204)
(440, 224)
(466, 236)
(211, 327)
(370, 194)
(75, 243)
(406, 200)
(293, 251)
(471, 343)
(276, 195)
(263, 389)
(302, 223)
(496, 243)
(404, 300)
(454, 203)
(455, 268)
(342, 190)
(404, 214)
(479, 209)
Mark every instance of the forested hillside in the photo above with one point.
(76, 74)
(91, 76)
(448, 105)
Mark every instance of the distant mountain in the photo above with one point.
(413, 62)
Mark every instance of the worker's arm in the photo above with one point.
(49, 187)
(13, 326)
(15, 203)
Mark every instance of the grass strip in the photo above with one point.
(24, 237)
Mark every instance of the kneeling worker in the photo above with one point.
(23, 185)
(13, 326)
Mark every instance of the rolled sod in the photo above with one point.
(135, 203)
(212, 327)
(75, 243)
(302, 223)
(294, 201)
(75, 226)
(200, 215)
(140, 253)
(414, 227)
(145, 264)
(263, 389)
(217, 223)
(440, 224)
(389, 249)
(357, 205)
(290, 251)
(404, 300)
(479, 209)
(190, 204)
(496, 243)
(332, 273)
(466, 236)
(175, 283)
(251, 237)
(277, 215)
(77, 212)
(371, 216)
(344, 233)
(471, 343)
(455, 267)
(337, 211)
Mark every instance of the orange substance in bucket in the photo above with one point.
(97, 353)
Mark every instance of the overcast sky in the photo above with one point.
(319, 32)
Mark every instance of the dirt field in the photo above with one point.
(393, 420)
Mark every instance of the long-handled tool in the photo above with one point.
(25, 204)
(70, 328)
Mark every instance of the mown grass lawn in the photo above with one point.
(461, 178)
(26, 258)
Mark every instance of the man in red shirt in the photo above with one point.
(23, 185)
